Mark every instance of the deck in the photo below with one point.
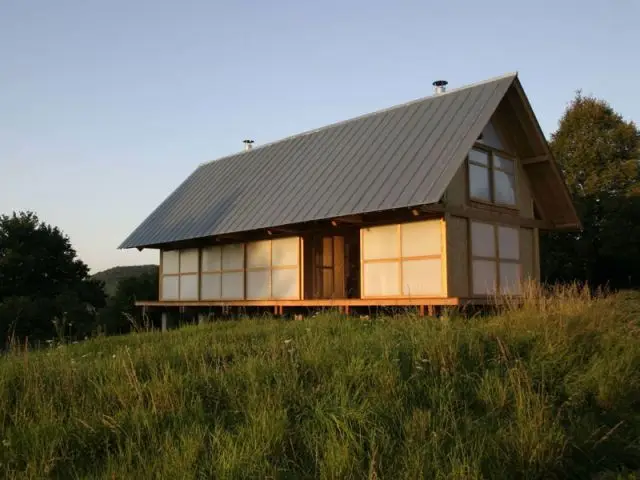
(342, 304)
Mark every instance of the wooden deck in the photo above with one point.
(342, 304)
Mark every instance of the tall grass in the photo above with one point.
(550, 389)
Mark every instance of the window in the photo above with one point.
(495, 259)
(273, 269)
(402, 260)
(492, 177)
(180, 274)
(222, 272)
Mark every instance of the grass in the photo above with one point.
(551, 390)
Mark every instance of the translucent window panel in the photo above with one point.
(284, 251)
(484, 277)
(189, 260)
(211, 286)
(258, 284)
(233, 256)
(479, 156)
(212, 259)
(170, 261)
(509, 243)
(259, 254)
(421, 238)
(381, 279)
(503, 163)
(505, 187)
(483, 240)
(233, 285)
(381, 242)
(422, 277)
(284, 283)
(510, 282)
(188, 287)
(170, 287)
(479, 182)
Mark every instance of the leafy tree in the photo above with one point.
(116, 317)
(44, 289)
(599, 154)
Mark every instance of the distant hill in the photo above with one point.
(113, 275)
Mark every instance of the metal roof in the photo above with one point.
(402, 156)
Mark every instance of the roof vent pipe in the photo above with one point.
(440, 86)
(247, 144)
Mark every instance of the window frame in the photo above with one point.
(495, 258)
(492, 168)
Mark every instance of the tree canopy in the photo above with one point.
(44, 287)
(599, 154)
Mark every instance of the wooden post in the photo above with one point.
(430, 310)
(346, 310)
(202, 319)
(422, 310)
(165, 321)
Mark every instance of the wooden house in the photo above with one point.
(438, 201)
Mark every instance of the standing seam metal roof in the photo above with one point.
(402, 156)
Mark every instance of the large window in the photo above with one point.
(495, 259)
(492, 177)
(180, 274)
(403, 260)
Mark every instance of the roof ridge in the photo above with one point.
(513, 74)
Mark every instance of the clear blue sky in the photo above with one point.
(106, 106)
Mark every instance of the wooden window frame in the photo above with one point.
(222, 271)
(399, 258)
(491, 152)
(496, 258)
(180, 274)
(271, 267)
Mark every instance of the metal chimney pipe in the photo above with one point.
(440, 86)
(247, 144)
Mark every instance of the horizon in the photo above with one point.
(106, 109)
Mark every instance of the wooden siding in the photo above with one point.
(457, 256)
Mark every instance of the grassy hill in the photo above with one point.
(549, 391)
(113, 275)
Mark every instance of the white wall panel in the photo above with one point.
(189, 287)
(509, 243)
(422, 277)
(380, 242)
(233, 286)
(170, 261)
(259, 254)
(258, 284)
(211, 286)
(233, 256)
(284, 283)
(381, 279)
(189, 260)
(170, 287)
(484, 277)
(211, 259)
(510, 282)
(421, 238)
(483, 241)
(284, 251)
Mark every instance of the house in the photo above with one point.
(438, 201)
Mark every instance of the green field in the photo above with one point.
(548, 391)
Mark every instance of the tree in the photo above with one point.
(44, 288)
(120, 310)
(599, 154)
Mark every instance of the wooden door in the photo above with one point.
(329, 267)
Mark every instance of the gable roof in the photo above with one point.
(399, 157)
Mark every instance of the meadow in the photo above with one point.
(548, 390)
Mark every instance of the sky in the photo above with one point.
(107, 106)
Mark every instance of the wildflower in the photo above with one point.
(113, 356)
(6, 443)
(288, 340)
